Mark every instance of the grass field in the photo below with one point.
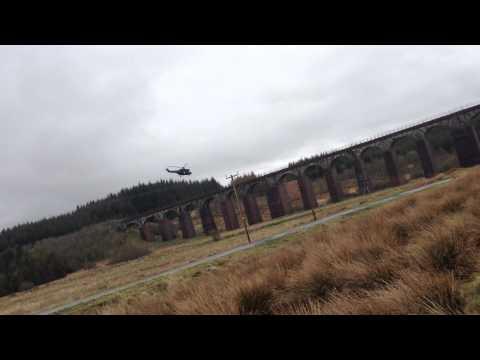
(164, 256)
(418, 255)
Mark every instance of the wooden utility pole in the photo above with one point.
(237, 201)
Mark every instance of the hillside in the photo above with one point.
(24, 263)
(419, 255)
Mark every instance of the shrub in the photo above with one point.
(449, 248)
(129, 251)
(255, 299)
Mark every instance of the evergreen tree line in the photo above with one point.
(127, 202)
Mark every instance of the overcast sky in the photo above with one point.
(80, 122)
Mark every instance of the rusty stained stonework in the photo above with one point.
(186, 225)
(278, 201)
(229, 215)
(251, 209)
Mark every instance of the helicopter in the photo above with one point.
(182, 170)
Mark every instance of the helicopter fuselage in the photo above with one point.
(181, 172)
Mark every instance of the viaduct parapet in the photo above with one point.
(461, 127)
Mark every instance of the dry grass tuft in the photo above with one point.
(451, 246)
(255, 298)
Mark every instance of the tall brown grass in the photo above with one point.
(410, 257)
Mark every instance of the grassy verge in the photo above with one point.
(127, 301)
(419, 255)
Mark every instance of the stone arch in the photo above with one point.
(171, 218)
(373, 161)
(314, 171)
(317, 175)
(344, 170)
(257, 187)
(189, 207)
(442, 145)
(436, 127)
(151, 218)
(132, 225)
(465, 134)
(467, 144)
(287, 176)
(403, 138)
(369, 150)
(157, 225)
(290, 192)
(170, 224)
(207, 201)
(171, 214)
(405, 152)
(255, 202)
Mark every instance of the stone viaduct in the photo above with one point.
(460, 125)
